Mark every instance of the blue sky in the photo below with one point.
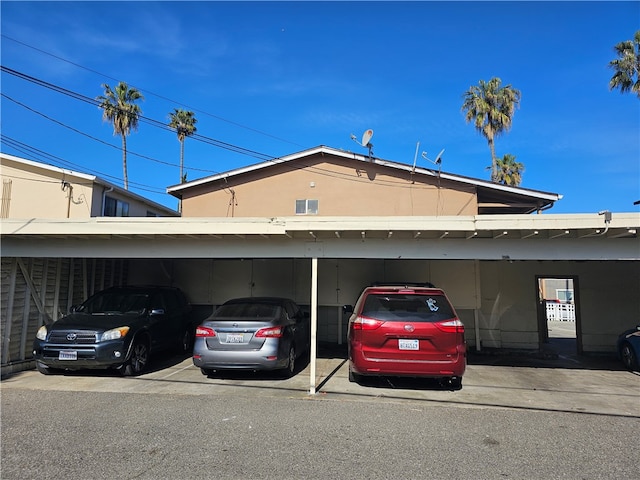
(266, 79)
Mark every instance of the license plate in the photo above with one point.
(404, 344)
(235, 338)
(68, 355)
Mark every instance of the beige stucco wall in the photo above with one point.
(34, 193)
(341, 189)
(31, 191)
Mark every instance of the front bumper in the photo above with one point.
(99, 355)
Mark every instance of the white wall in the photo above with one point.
(507, 316)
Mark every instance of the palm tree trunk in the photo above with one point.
(494, 160)
(124, 161)
(181, 161)
(181, 170)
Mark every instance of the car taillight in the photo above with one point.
(271, 332)
(205, 332)
(451, 326)
(363, 323)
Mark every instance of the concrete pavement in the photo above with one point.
(596, 385)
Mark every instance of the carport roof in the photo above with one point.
(467, 227)
(483, 237)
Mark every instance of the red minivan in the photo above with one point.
(404, 330)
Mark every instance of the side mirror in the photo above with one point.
(74, 308)
(347, 309)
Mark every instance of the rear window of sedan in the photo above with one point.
(247, 310)
(401, 307)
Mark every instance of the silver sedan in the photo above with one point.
(254, 333)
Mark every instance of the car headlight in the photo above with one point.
(114, 333)
(42, 333)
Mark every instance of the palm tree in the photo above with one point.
(118, 107)
(627, 66)
(490, 106)
(184, 124)
(509, 171)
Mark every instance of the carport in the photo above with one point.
(485, 263)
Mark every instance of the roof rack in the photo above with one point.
(403, 284)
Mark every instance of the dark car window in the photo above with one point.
(115, 302)
(172, 303)
(247, 310)
(158, 302)
(390, 307)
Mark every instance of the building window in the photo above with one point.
(306, 207)
(115, 208)
(565, 296)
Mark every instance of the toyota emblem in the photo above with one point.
(71, 336)
(409, 328)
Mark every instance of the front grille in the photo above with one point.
(71, 337)
(83, 353)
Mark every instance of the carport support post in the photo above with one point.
(314, 325)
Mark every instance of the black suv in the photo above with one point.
(116, 328)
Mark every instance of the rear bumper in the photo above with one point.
(269, 357)
(453, 367)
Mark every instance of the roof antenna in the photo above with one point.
(366, 143)
(437, 161)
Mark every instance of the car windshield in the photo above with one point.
(247, 310)
(111, 303)
(401, 307)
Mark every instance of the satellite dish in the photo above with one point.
(366, 141)
(366, 136)
(438, 159)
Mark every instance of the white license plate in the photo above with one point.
(235, 338)
(68, 355)
(404, 344)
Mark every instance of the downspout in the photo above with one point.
(69, 197)
(104, 198)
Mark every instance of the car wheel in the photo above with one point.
(291, 363)
(139, 359)
(186, 341)
(353, 376)
(455, 383)
(43, 369)
(628, 357)
(206, 372)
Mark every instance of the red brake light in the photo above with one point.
(364, 323)
(271, 332)
(205, 332)
(451, 326)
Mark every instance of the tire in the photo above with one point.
(186, 342)
(353, 376)
(206, 372)
(139, 359)
(456, 383)
(291, 363)
(43, 369)
(628, 357)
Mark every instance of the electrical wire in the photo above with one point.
(42, 156)
(234, 148)
(217, 117)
